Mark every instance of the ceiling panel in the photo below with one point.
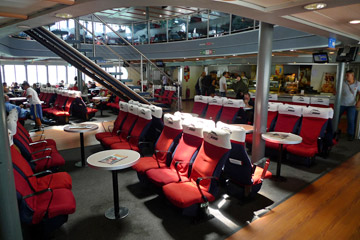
(269, 3)
(27, 8)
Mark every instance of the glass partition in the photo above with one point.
(177, 29)
(198, 25)
(239, 24)
(219, 23)
(158, 31)
(140, 33)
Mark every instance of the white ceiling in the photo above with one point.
(329, 22)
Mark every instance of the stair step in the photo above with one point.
(126, 80)
(107, 66)
(73, 41)
(116, 73)
(144, 93)
(85, 50)
(96, 58)
(134, 87)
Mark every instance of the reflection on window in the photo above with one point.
(61, 73)
(198, 26)
(72, 72)
(177, 29)
(219, 23)
(32, 74)
(125, 74)
(9, 72)
(41, 74)
(20, 72)
(140, 33)
(124, 31)
(241, 24)
(157, 31)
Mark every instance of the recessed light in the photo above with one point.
(331, 52)
(24, 27)
(354, 21)
(144, 13)
(63, 15)
(234, 55)
(197, 59)
(315, 6)
(160, 15)
(292, 50)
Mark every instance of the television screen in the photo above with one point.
(320, 58)
(159, 63)
(347, 54)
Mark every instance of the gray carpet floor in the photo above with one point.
(152, 217)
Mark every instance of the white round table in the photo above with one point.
(81, 128)
(101, 99)
(248, 128)
(281, 138)
(132, 157)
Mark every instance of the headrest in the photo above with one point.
(134, 102)
(324, 113)
(301, 99)
(144, 105)
(171, 88)
(167, 88)
(13, 115)
(133, 109)
(217, 137)
(294, 110)
(273, 107)
(205, 122)
(183, 116)
(77, 94)
(123, 106)
(172, 121)
(193, 128)
(252, 95)
(215, 101)
(12, 121)
(203, 99)
(66, 93)
(320, 101)
(42, 89)
(157, 86)
(10, 137)
(273, 97)
(235, 103)
(144, 113)
(156, 111)
(237, 133)
(73, 94)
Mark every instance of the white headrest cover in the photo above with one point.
(133, 109)
(172, 121)
(77, 94)
(167, 88)
(157, 86)
(12, 120)
(301, 99)
(331, 113)
(183, 116)
(123, 106)
(205, 122)
(217, 137)
(131, 102)
(135, 103)
(273, 107)
(294, 110)
(215, 101)
(144, 105)
(252, 95)
(320, 101)
(144, 113)
(173, 89)
(203, 99)
(13, 115)
(156, 111)
(10, 134)
(317, 112)
(193, 128)
(273, 97)
(237, 133)
(235, 103)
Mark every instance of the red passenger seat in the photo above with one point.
(214, 109)
(200, 105)
(300, 100)
(230, 110)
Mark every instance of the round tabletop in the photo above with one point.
(17, 98)
(281, 138)
(131, 157)
(248, 128)
(100, 98)
(80, 128)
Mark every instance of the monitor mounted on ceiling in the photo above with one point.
(347, 54)
(320, 57)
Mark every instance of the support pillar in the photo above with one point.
(10, 227)
(262, 89)
(79, 73)
(339, 85)
(141, 73)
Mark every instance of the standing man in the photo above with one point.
(351, 88)
(222, 84)
(198, 85)
(35, 104)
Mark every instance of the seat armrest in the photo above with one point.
(176, 168)
(39, 159)
(38, 142)
(42, 150)
(40, 174)
(42, 136)
(198, 181)
(156, 156)
(320, 144)
(38, 193)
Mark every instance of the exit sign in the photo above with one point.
(207, 52)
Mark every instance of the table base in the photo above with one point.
(110, 213)
(278, 178)
(80, 164)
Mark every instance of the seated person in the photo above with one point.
(240, 88)
(23, 113)
(246, 115)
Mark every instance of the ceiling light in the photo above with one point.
(63, 15)
(354, 21)
(315, 6)
(197, 59)
(234, 55)
(160, 15)
(331, 52)
(24, 26)
(291, 50)
(272, 54)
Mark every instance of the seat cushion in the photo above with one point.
(60, 113)
(185, 194)
(120, 145)
(91, 110)
(108, 141)
(303, 150)
(249, 138)
(56, 160)
(146, 163)
(257, 175)
(163, 176)
(54, 181)
(102, 135)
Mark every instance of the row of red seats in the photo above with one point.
(65, 103)
(311, 123)
(218, 109)
(167, 97)
(44, 198)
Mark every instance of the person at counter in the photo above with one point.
(198, 85)
(350, 89)
(240, 88)
(222, 84)
(244, 79)
(208, 84)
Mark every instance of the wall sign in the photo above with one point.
(207, 52)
